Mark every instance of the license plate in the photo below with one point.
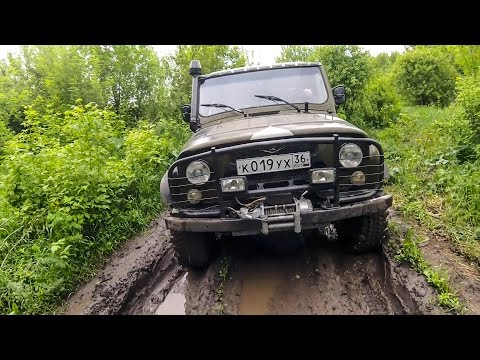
(273, 163)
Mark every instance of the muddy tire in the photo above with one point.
(363, 234)
(192, 249)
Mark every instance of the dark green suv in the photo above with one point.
(269, 154)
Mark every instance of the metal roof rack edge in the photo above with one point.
(262, 67)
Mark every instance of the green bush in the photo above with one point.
(346, 65)
(380, 104)
(468, 98)
(463, 193)
(5, 134)
(177, 131)
(72, 186)
(425, 76)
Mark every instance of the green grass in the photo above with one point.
(408, 251)
(36, 273)
(223, 273)
(434, 177)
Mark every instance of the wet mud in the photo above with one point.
(278, 274)
(320, 278)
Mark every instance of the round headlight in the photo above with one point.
(358, 178)
(198, 172)
(350, 155)
(194, 196)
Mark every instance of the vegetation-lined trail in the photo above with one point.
(86, 133)
(142, 277)
(317, 278)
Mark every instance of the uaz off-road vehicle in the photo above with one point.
(269, 154)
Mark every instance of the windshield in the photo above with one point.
(295, 85)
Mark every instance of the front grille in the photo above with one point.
(291, 183)
(276, 184)
(319, 153)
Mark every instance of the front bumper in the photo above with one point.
(308, 220)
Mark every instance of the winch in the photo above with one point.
(277, 217)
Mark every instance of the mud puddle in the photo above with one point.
(174, 303)
(258, 285)
(278, 274)
(136, 279)
(319, 278)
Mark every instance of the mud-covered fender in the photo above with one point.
(165, 190)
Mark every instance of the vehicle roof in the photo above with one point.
(261, 67)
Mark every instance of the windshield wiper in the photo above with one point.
(224, 107)
(276, 99)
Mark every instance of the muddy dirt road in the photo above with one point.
(309, 275)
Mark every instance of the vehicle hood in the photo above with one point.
(234, 131)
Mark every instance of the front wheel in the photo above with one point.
(192, 249)
(364, 233)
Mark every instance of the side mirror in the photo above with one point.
(186, 110)
(339, 94)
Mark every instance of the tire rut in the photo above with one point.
(268, 275)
